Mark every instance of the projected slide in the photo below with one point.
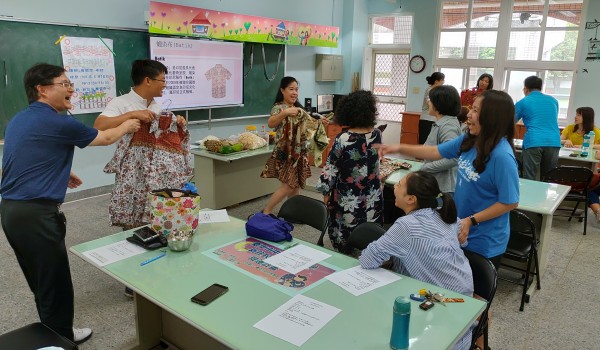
(201, 73)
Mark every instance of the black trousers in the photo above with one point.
(36, 230)
(424, 130)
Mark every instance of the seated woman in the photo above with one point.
(485, 82)
(572, 135)
(424, 243)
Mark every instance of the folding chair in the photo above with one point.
(522, 247)
(34, 336)
(578, 178)
(484, 283)
(364, 234)
(300, 209)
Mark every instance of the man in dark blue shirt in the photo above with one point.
(38, 153)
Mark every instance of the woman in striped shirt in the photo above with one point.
(424, 243)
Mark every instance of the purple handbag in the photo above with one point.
(269, 227)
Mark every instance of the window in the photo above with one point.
(390, 83)
(391, 30)
(511, 40)
(388, 62)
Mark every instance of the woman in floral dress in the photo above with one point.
(350, 180)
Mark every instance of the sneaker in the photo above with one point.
(80, 335)
(128, 292)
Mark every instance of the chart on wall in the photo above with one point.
(201, 73)
(90, 65)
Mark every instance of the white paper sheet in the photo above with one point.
(357, 280)
(297, 258)
(212, 216)
(298, 319)
(113, 252)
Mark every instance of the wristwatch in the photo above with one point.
(473, 221)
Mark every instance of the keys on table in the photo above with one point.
(439, 298)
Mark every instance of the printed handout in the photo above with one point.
(298, 319)
(358, 281)
(297, 258)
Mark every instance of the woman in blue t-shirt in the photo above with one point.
(487, 186)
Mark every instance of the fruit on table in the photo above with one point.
(237, 147)
(226, 149)
(213, 145)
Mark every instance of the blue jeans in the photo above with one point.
(542, 158)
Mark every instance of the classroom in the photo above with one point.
(558, 316)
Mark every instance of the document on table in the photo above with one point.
(297, 258)
(212, 216)
(298, 319)
(113, 252)
(358, 281)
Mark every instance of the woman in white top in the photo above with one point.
(426, 120)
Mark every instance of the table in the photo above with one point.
(539, 200)
(224, 180)
(164, 311)
(564, 157)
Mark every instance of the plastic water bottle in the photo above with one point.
(591, 141)
(585, 147)
(401, 321)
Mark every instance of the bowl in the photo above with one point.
(179, 240)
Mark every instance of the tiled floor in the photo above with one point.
(562, 315)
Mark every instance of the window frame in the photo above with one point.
(500, 63)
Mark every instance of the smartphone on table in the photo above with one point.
(145, 234)
(211, 293)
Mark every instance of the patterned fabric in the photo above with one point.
(219, 76)
(467, 97)
(289, 161)
(154, 157)
(351, 180)
(179, 213)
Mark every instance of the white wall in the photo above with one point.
(586, 84)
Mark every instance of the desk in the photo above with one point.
(564, 157)
(224, 180)
(538, 200)
(164, 310)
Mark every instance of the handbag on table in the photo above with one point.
(269, 227)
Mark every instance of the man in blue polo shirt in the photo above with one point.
(38, 153)
(541, 143)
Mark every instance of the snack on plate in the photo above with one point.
(251, 140)
(213, 145)
(209, 137)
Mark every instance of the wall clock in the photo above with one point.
(417, 63)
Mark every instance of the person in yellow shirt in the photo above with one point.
(572, 135)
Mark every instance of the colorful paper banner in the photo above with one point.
(170, 19)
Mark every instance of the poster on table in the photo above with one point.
(248, 256)
(90, 66)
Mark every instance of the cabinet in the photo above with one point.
(329, 67)
(520, 130)
(409, 129)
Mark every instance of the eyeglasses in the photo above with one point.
(65, 84)
(162, 80)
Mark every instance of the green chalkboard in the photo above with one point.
(24, 44)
